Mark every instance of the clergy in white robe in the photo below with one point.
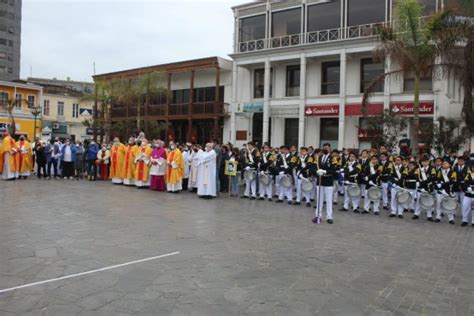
(207, 173)
(193, 169)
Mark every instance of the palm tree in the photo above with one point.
(147, 87)
(9, 105)
(412, 43)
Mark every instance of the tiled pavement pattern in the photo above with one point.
(238, 257)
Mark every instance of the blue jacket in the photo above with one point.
(92, 151)
(73, 152)
(56, 151)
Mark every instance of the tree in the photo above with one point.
(410, 42)
(9, 105)
(445, 135)
(385, 128)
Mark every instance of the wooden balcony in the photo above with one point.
(179, 111)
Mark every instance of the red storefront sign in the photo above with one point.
(356, 109)
(322, 110)
(406, 108)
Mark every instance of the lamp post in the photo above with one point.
(35, 111)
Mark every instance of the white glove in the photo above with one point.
(417, 184)
(247, 168)
(366, 178)
(444, 192)
(262, 173)
(342, 170)
(423, 191)
(300, 176)
(469, 189)
(347, 183)
(439, 185)
(372, 183)
(281, 173)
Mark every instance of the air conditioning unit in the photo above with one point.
(55, 125)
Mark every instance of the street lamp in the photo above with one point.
(35, 111)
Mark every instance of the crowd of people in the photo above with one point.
(369, 180)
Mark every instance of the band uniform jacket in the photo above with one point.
(303, 166)
(352, 171)
(267, 162)
(397, 175)
(252, 158)
(469, 183)
(364, 165)
(411, 178)
(328, 163)
(426, 178)
(461, 173)
(374, 176)
(444, 181)
(387, 169)
(280, 164)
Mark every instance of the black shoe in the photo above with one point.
(437, 220)
(312, 200)
(392, 215)
(464, 224)
(412, 211)
(343, 209)
(290, 202)
(279, 201)
(260, 199)
(252, 198)
(275, 196)
(334, 203)
(415, 217)
(451, 222)
(357, 211)
(376, 213)
(385, 208)
(405, 210)
(315, 220)
(297, 203)
(365, 212)
(308, 204)
(472, 225)
(269, 199)
(244, 197)
(330, 221)
(400, 216)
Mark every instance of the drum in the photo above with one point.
(374, 194)
(307, 186)
(265, 179)
(285, 181)
(404, 198)
(353, 190)
(249, 175)
(449, 205)
(426, 201)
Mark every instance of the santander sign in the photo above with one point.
(322, 110)
(401, 108)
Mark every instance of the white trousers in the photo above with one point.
(418, 209)
(266, 190)
(376, 204)
(467, 208)
(385, 194)
(299, 192)
(439, 197)
(324, 194)
(283, 192)
(349, 199)
(396, 209)
(335, 191)
(251, 188)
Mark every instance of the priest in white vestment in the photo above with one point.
(193, 169)
(206, 180)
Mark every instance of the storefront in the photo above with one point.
(322, 119)
(23, 127)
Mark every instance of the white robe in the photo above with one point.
(206, 180)
(186, 164)
(193, 174)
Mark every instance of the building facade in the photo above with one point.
(82, 87)
(195, 105)
(22, 98)
(301, 66)
(10, 39)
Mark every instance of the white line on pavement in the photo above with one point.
(88, 272)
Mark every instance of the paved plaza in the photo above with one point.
(236, 257)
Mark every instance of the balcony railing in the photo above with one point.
(323, 36)
(175, 110)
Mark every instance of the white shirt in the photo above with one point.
(67, 154)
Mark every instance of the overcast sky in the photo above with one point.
(63, 38)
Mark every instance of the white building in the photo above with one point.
(300, 67)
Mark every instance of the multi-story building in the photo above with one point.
(63, 113)
(10, 39)
(195, 105)
(83, 87)
(301, 66)
(22, 99)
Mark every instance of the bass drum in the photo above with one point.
(265, 179)
(249, 175)
(307, 186)
(285, 181)
(427, 201)
(404, 198)
(449, 205)
(374, 194)
(353, 190)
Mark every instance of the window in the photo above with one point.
(286, 22)
(293, 81)
(180, 96)
(409, 82)
(368, 72)
(46, 107)
(12, 2)
(3, 27)
(3, 69)
(3, 13)
(10, 57)
(259, 83)
(3, 55)
(10, 70)
(10, 43)
(11, 16)
(331, 77)
(11, 30)
(31, 101)
(324, 16)
(4, 98)
(291, 131)
(3, 41)
(60, 108)
(75, 110)
(18, 101)
(252, 28)
(329, 131)
(365, 12)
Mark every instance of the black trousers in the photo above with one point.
(54, 163)
(41, 171)
(68, 168)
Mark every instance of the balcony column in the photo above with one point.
(386, 90)
(168, 96)
(342, 99)
(190, 108)
(301, 118)
(234, 103)
(218, 90)
(266, 102)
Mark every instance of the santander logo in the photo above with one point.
(408, 108)
(322, 110)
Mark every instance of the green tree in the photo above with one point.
(385, 128)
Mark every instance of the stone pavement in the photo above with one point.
(237, 257)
